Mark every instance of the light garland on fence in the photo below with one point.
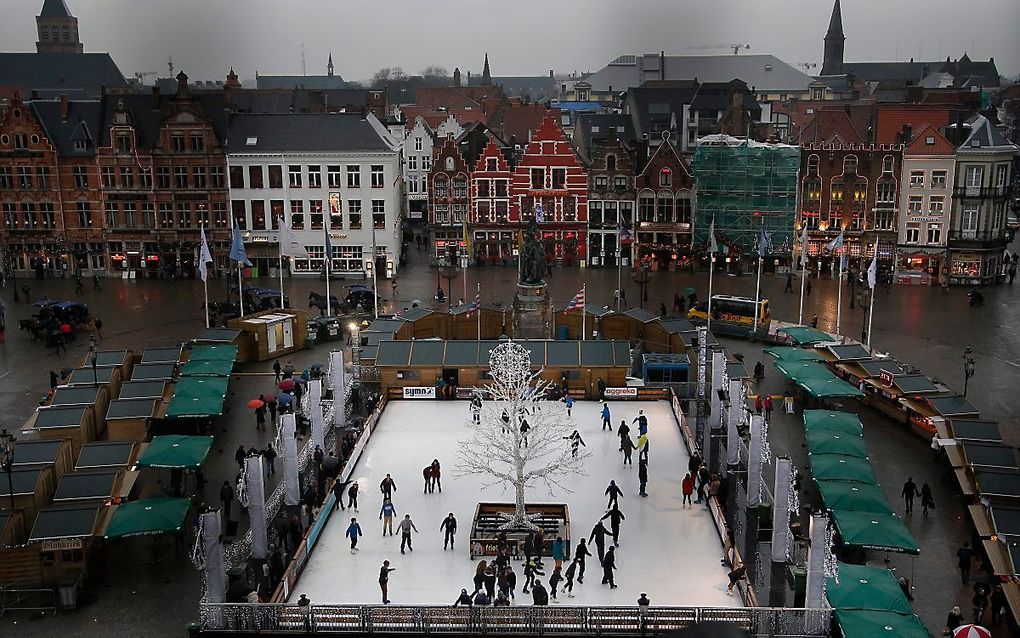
(198, 549)
(766, 457)
(831, 564)
(793, 506)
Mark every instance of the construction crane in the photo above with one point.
(736, 47)
(807, 66)
(141, 75)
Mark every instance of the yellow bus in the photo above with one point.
(735, 313)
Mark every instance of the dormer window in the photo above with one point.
(610, 162)
(81, 145)
(123, 143)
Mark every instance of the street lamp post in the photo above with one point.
(7, 460)
(968, 368)
(641, 279)
(94, 357)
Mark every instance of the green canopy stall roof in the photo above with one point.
(207, 369)
(831, 388)
(789, 353)
(854, 497)
(829, 442)
(862, 623)
(796, 370)
(148, 516)
(868, 588)
(806, 335)
(836, 467)
(198, 397)
(835, 421)
(218, 352)
(874, 530)
(176, 451)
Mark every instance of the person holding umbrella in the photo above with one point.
(260, 414)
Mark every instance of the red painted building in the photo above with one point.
(550, 185)
(493, 241)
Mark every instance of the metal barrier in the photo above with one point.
(32, 599)
(759, 622)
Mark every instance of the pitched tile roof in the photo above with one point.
(311, 132)
(837, 125)
(84, 122)
(77, 74)
(929, 141)
(983, 134)
(764, 73)
(300, 82)
(891, 118)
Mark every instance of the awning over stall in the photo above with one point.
(854, 497)
(837, 467)
(788, 353)
(875, 530)
(207, 369)
(176, 451)
(148, 516)
(834, 421)
(218, 352)
(198, 397)
(829, 442)
(875, 624)
(868, 588)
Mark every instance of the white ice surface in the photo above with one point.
(673, 554)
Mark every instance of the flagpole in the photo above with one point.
(478, 310)
(281, 277)
(329, 258)
(711, 272)
(205, 270)
(240, 294)
(839, 286)
(584, 315)
(871, 310)
(757, 291)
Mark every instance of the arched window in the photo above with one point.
(441, 185)
(850, 165)
(666, 177)
(664, 207)
(887, 164)
(812, 164)
(646, 206)
(813, 189)
(684, 208)
(610, 162)
(449, 164)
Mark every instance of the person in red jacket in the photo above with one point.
(688, 488)
(757, 404)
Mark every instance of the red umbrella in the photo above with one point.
(971, 631)
(287, 385)
(255, 404)
(269, 397)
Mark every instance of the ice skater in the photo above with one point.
(608, 566)
(352, 496)
(353, 532)
(569, 402)
(598, 535)
(384, 580)
(531, 570)
(476, 408)
(575, 442)
(580, 552)
(464, 599)
(525, 428)
(386, 516)
(607, 423)
(388, 486)
(554, 582)
(628, 448)
(642, 447)
(642, 422)
(436, 474)
(613, 492)
(449, 528)
(569, 585)
(338, 492)
(406, 526)
(688, 488)
(426, 474)
(624, 432)
(642, 473)
(615, 516)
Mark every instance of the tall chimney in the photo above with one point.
(64, 106)
(662, 65)
(155, 98)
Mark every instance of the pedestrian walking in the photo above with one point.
(642, 473)
(767, 406)
(99, 328)
(239, 455)
(95, 281)
(615, 516)
(909, 492)
(449, 529)
(388, 486)
(79, 284)
(554, 581)
(927, 500)
(575, 442)
(953, 620)
(558, 552)
(688, 488)
(759, 372)
(758, 405)
(703, 478)
(789, 282)
(406, 526)
(814, 321)
(613, 492)
(386, 514)
(580, 553)
(226, 498)
(384, 580)
(662, 309)
(598, 535)
(352, 496)
(271, 405)
(54, 380)
(642, 422)
(608, 567)
(260, 415)
(807, 288)
(963, 556)
(277, 370)
(269, 454)
(606, 417)
(25, 291)
(436, 476)
(980, 603)
(998, 604)
(623, 296)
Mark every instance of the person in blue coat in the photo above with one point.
(559, 551)
(354, 531)
(607, 423)
(642, 422)
(569, 401)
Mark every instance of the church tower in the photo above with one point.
(486, 76)
(58, 29)
(832, 59)
(329, 65)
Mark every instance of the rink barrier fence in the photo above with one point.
(758, 622)
(297, 564)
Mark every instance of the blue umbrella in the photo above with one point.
(285, 398)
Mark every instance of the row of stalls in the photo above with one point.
(868, 602)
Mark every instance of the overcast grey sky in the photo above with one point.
(522, 37)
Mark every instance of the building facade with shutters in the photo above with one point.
(449, 202)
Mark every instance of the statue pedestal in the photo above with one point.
(533, 314)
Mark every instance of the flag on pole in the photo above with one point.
(764, 243)
(803, 247)
(329, 246)
(578, 301)
(467, 238)
(712, 246)
(237, 252)
(842, 261)
(289, 244)
(873, 270)
(477, 303)
(836, 243)
(204, 257)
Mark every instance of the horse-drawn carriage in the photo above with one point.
(259, 299)
(359, 298)
(53, 315)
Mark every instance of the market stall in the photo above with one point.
(76, 423)
(128, 419)
(108, 455)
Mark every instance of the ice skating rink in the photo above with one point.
(673, 554)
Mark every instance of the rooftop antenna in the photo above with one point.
(170, 65)
(303, 70)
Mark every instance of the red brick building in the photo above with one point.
(493, 241)
(665, 201)
(449, 201)
(550, 185)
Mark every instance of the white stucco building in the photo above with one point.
(324, 173)
(417, 163)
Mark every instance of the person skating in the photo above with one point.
(598, 535)
(735, 575)
(352, 496)
(353, 532)
(607, 423)
(426, 474)
(511, 581)
(388, 486)
(386, 516)
(909, 492)
(476, 408)
(642, 446)
(338, 492)
(575, 442)
(642, 473)
(525, 428)
(384, 580)
(489, 580)
(628, 447)
(703, 478)
(436, 475)
(569, 585)
(642, 422)
(531, 571)
(569, 402)
(580, 552)
(539, 595)
(615, 516)
(608, 566)
(927, 499)
(529, 547)
(449, 528)
(558, 552)
(554, 582)
(479, 577)
(464, 599)
(623, 432)
(688, 488)
(613, 492)
(406, 526)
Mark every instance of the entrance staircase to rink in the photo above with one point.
(378, 620)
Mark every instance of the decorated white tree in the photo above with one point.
(498, 452)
